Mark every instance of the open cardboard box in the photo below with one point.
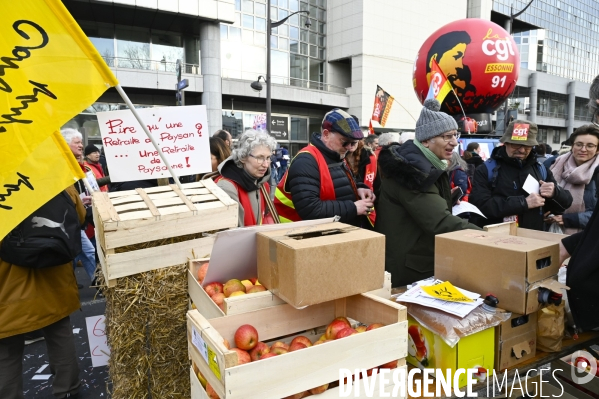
(512, 229)
(515, 340)
(316, 264)
(512, 268)
(294, 372)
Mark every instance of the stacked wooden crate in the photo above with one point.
(145, 239)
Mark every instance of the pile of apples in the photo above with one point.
(232, 288)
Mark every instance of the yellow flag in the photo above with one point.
(49, 72)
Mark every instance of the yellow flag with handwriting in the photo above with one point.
(49, 73)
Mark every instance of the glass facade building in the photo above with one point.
(567, 45)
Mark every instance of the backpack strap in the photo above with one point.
(492, 170)
(542, 170)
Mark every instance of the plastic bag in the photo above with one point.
(451, 328)
(556, 228)
(550, 328)
(561, 277)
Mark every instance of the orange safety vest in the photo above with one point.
(468, 190)
(284, 204)
(249, 219)
(369, 177)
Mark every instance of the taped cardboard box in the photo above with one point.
(516, 340)
(511, 228)
(510, 267)
(315, 264)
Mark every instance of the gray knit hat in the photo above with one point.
(433, 123)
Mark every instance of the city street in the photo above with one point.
(93, 380)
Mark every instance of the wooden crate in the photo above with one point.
(235, 305)
(144, 216)
(301, 370)
(198, 391)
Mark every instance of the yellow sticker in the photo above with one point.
(446, 291)
(213, 363)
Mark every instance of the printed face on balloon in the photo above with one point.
(479, 59)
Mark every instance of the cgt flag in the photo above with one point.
(49, 72)
(383, 102)
(439, 86)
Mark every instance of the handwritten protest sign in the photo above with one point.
(181, 133)
(96, 334)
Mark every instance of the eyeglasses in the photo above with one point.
(448, 137)
(518, 146)
(261, 160)
(345, 143)
(578, 145)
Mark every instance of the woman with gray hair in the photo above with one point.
(244, 177)
(458, 176)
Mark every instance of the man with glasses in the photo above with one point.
(497, 189)
(318, 183)
(415, 196)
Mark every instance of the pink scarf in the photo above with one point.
(574, 179)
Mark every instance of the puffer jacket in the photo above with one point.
(31, 299)
(414, 206)
(303, 181)
(505, 196)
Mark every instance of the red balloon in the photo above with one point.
(480, 60)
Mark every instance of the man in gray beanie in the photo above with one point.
(415, 201)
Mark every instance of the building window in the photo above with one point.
(581, 110)
(556, 136)
(542, 137)
(553, 105)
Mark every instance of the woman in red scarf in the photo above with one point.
(92, 163)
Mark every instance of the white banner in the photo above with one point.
(181, 133)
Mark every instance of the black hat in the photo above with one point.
(90, 149)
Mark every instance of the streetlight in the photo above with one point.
(257, 86)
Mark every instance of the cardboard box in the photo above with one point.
(516, 340)
(512, 229)
(474, 351)
(510, 267)
(316, 264)
(297, 371)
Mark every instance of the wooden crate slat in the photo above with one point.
(136, 231)
(136, 215)
(143, 260)
(162, 202)
(182, 210)
(195, 198)
(184, 198)
(218, 192)
(105, 209)
(196, 191)
(169, 194)
(125, 200)
(157, 189)
(132, 206)
(151, 206)
(369, 308)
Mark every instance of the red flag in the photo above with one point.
(370, 128)
(382, 106)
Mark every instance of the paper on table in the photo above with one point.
(464, 207)
(531, 185)
(461, 309)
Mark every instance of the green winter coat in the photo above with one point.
(414, 205)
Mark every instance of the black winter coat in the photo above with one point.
(507, 198)
(303, 180)
(583, 274)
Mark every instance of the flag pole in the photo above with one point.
(395, 99)
(145, 128)
(462, 108)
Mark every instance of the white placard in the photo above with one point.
(464, 207)
(531, 185)
(181, 134)
(96, 334)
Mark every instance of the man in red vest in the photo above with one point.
(318, 184)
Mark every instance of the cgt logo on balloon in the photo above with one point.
(428, 382)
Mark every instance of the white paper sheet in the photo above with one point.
(418, 296)
(464, 207)
(531, 185)
(234, 252)
(96, 334)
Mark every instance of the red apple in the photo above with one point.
(267, 355)
(320, 389)
(390, 365)
(213, 288)
(346, 332)
(303, 340)
(242, 356)
(297, 346)
(279, 344)
(231, 286)
(319, 342)
(259, 350)
(277, 350)
(246, 337)
(202, 272)
(253, 280)
(219, 299)
(336, 325)
(256, 288)
(211, 392)
(374, 326)
(297, 395)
